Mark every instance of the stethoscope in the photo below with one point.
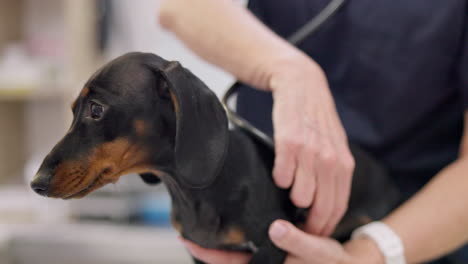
(295, 39)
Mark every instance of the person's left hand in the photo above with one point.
(303, 248)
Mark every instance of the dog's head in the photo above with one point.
(137, 114)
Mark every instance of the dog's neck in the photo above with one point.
(195, 204)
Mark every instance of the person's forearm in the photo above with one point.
(431, 224)
(435, 221)
(229, 36)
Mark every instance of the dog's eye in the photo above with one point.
(96, 110)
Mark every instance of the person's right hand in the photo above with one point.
(301, 248)
(312, 154)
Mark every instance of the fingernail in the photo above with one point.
(277, 231)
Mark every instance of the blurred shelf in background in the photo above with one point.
(30, 93)
(29, 96)
(47, 49)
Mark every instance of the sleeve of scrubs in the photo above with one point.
(463, 66)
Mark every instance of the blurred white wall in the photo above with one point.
(135, 28)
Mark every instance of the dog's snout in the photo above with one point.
(41, 184)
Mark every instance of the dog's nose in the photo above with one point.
(41, 184)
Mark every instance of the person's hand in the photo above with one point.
(312, 153)
(303, 248)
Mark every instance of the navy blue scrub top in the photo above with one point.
(398, 71)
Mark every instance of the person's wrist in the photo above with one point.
(285, 69)
(363, 251)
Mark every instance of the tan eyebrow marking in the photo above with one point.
(73, 104)
(83, 93)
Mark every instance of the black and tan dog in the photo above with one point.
(142, 114)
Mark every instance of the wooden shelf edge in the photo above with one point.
(24, 94)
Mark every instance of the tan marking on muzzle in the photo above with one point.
(105, 164)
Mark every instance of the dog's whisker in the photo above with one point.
(72, 179)
(78, 184)
(71, 184)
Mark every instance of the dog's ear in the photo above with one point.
(201, 138)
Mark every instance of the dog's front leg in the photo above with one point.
(268, 253)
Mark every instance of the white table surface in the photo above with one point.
(89, 243)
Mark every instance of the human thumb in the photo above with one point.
(302, 245)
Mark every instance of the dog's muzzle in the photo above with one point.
(41, 182)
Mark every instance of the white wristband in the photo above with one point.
(387, 241)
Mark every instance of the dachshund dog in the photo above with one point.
(145, 115)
